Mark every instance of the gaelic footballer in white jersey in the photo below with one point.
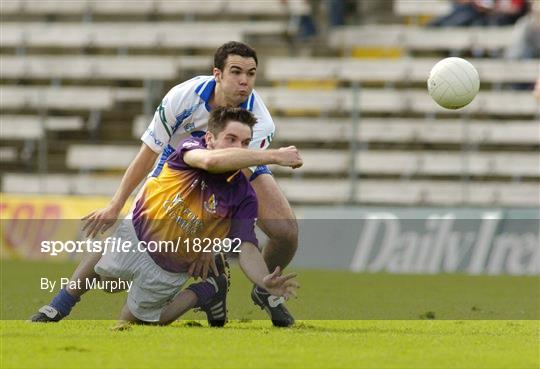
(184, 111)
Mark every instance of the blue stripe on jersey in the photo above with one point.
(252, 102)
(164, 156)
(199, 87)
(206, 92)
(248, 104)
(244, 105)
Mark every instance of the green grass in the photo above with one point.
(468, 322)
(318, 344)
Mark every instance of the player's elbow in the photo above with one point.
(203, 161)
(210, 163)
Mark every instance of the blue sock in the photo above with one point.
(204, 291)
(63, 302)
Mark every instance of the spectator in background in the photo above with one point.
(305, 16)
(507, 12)
(302, 23)
(482, 13)
(525, 42)
(464, 13)
(526, 37)
(336, 12)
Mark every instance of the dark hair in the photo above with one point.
(220, 117)
(233, 48)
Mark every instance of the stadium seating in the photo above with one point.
(394, 101)
(140, 123)
(417, 8)
(329, 162)
(411, 192)
(15, 7)
(410, 38)
(392, 70)
(310, 191)
(145, 7)
(8, 154)
(426, 163)
(21, 127)
(89, 67)
(400, 130)
(138, 35)
(67, 98)
(78, 75)
(104, 67)
(100, 156)
(60, 184)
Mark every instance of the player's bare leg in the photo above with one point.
(207, 295)
(182, 303)
(278, 221)
(203, 294)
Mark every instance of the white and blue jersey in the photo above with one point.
(184, 111)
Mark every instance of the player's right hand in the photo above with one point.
(289, 157)
(200, 267)
(100, 220)
(281, 285)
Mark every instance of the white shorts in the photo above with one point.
(152, 288)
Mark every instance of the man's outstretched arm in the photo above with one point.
(226, 160)
(101, 220)
(254, 267)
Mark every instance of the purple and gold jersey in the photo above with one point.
(189, 203)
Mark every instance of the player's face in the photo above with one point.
(235, 134)
(237, 78)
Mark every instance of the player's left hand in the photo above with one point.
(202, 265)
(281, 285)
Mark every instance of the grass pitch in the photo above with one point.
(473, 334)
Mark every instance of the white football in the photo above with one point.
(453, 83)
